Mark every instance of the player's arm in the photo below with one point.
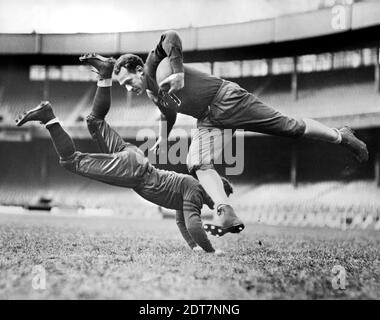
(170, 45)
(180, 220)
(165, 125)
(167, 114)
(167, 120)
(191, 212)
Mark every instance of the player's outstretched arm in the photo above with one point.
(180, 220)
(191, 212)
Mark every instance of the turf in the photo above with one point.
(118, 258)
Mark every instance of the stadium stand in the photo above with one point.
(70, 99)
(17, 90)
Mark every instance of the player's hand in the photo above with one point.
(151, 96)
(172, 83)
(219, 252)
(157, 147)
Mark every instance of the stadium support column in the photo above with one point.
(293, 166)
(295, 79)
(377, 168)
(43, 163)
(377, 71)
(45, 89)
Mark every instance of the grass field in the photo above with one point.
(104, 258)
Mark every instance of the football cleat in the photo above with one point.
(43, 113)
(356, 146)
(102, 65)
(230, 223)
(219, 231)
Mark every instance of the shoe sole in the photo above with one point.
(218, 231)
(27, 115)
(89, 56)
(95, 67)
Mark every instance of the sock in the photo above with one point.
(51, 121)
(339, 139)
(102, 100)
(213, 185)
(318, 131)
(63, 144)
(104, 83)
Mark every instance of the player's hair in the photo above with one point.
(130, 62)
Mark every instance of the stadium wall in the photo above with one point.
(282, 29)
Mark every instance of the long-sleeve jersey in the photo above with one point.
(200, 88)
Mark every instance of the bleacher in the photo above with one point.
(320, 94)
(326, 94)
(70, 99)
(16, 92)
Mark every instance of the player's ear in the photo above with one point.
(139, 69)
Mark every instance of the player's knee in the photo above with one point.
(301, 128)
(295, 128)
(194, 166)
(70, 163)
(93, 122)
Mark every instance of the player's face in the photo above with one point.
(132, 81)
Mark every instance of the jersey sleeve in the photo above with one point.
(192, 210)
(180, 219)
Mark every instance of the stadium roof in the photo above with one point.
(52, 16)
(301, 26)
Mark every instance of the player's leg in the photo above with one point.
(206, 146)
(104, 67)
(106, 138)
(343, 136)
(239, 109)
(43, 113)
(116, 169)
